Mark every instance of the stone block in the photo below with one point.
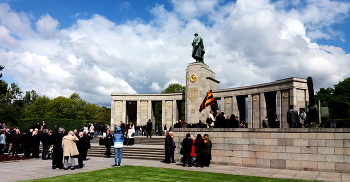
(256, 154)
(291, 164)
(236, 161)
(325, 150)
(326, 166)
(235, 134)
(263, 148)
(317, 143)
(278, 149)
(221, 146)
(342, 136)
(241, 154)
(264, 163)
(329, 136)
(342, 167)
(249, 135)
(318, 157)
(334, 143)
(308, 136)
(278, 163)
(249, 162)
(301, 157)
(278, 135)
(244, 141)
(235, 147)
(292, 135)
(301, 142)
(249, 147)
(285, 156)
(222, 135)
(309, 166)
(230, 140)
(263, 135)
(346, 143)
(222, 160)
(217, 140)
(347, 159)
(270, 155)
(257, 141)
(293, 149)
(229, 153)
(270, 141)
(309, 150)
(285, 142)
(334, 158)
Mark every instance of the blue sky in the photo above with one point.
(94, 48)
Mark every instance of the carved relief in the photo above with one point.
(168, 103)
(228, 100)
(118, 104)
(144, 104)
(256, 97)
(193, 94)
(193, 110)
(284, 94)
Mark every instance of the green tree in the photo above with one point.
(174, 88)
(104, 114)
(3, 84)
(324, 96)
(11, 105)
(340, 102)
(30, 97)
(37, 108)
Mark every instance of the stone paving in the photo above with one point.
(37, 168)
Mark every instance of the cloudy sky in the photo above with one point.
(95, 48)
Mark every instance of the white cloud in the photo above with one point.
(247, 42)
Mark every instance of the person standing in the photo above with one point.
(81, 148)
(108, 143)
(70, 149)
(149, 128)
(200, 150)
(193, 150)
(207, 149)
(118, 140)
(2, 141)
(187, 147)
(265, 123)
(35, 143)
(122, 127)
(57, 156)
(292, 117)
(302, 116)
(165, 129)
(45, 142)
(16, 142)
(169, 148)
(212, 119)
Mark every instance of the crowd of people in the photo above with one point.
(194, 151)
(56, 145)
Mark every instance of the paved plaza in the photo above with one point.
(37, 168)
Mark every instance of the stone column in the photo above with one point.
(149, 111)
(124, 111)
(293, 97)
(138, 112)
(279, 107)
(163, 111)
(175, 114)
(112, 115)
(256, 111)
(284, 108)
(250, 111)
(228, 105)
(263, 109)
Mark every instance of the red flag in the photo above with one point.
(207, 101)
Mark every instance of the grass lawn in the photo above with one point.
(146, 174)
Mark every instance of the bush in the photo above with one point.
(67, 124)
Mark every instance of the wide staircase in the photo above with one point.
(144, 148)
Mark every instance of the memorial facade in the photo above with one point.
(250, 103)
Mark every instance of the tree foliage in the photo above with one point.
(174, 88)
(337, 99)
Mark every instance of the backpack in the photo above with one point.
(209, 121)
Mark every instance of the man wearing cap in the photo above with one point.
(198, 48)
(118, 139)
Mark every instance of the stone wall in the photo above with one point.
(314, 149)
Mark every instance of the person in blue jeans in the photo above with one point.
(118, 139)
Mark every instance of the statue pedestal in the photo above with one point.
(199, 80)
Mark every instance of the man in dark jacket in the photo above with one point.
(57, 156)
(292, 117)
(81, 148)
(168, 147)
(149, 128)
(45, 142)
(108, 143)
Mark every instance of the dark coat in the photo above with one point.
(200, 146)
(56, 140)
(187, 144)
(168, 143)
(109, 139)
(45, 139)
(16, 140)
(292, 116)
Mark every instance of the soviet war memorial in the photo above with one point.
(180, 90)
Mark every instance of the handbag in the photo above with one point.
(182, 151)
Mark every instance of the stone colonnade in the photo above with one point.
(254, 102)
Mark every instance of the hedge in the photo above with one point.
(67, 124)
